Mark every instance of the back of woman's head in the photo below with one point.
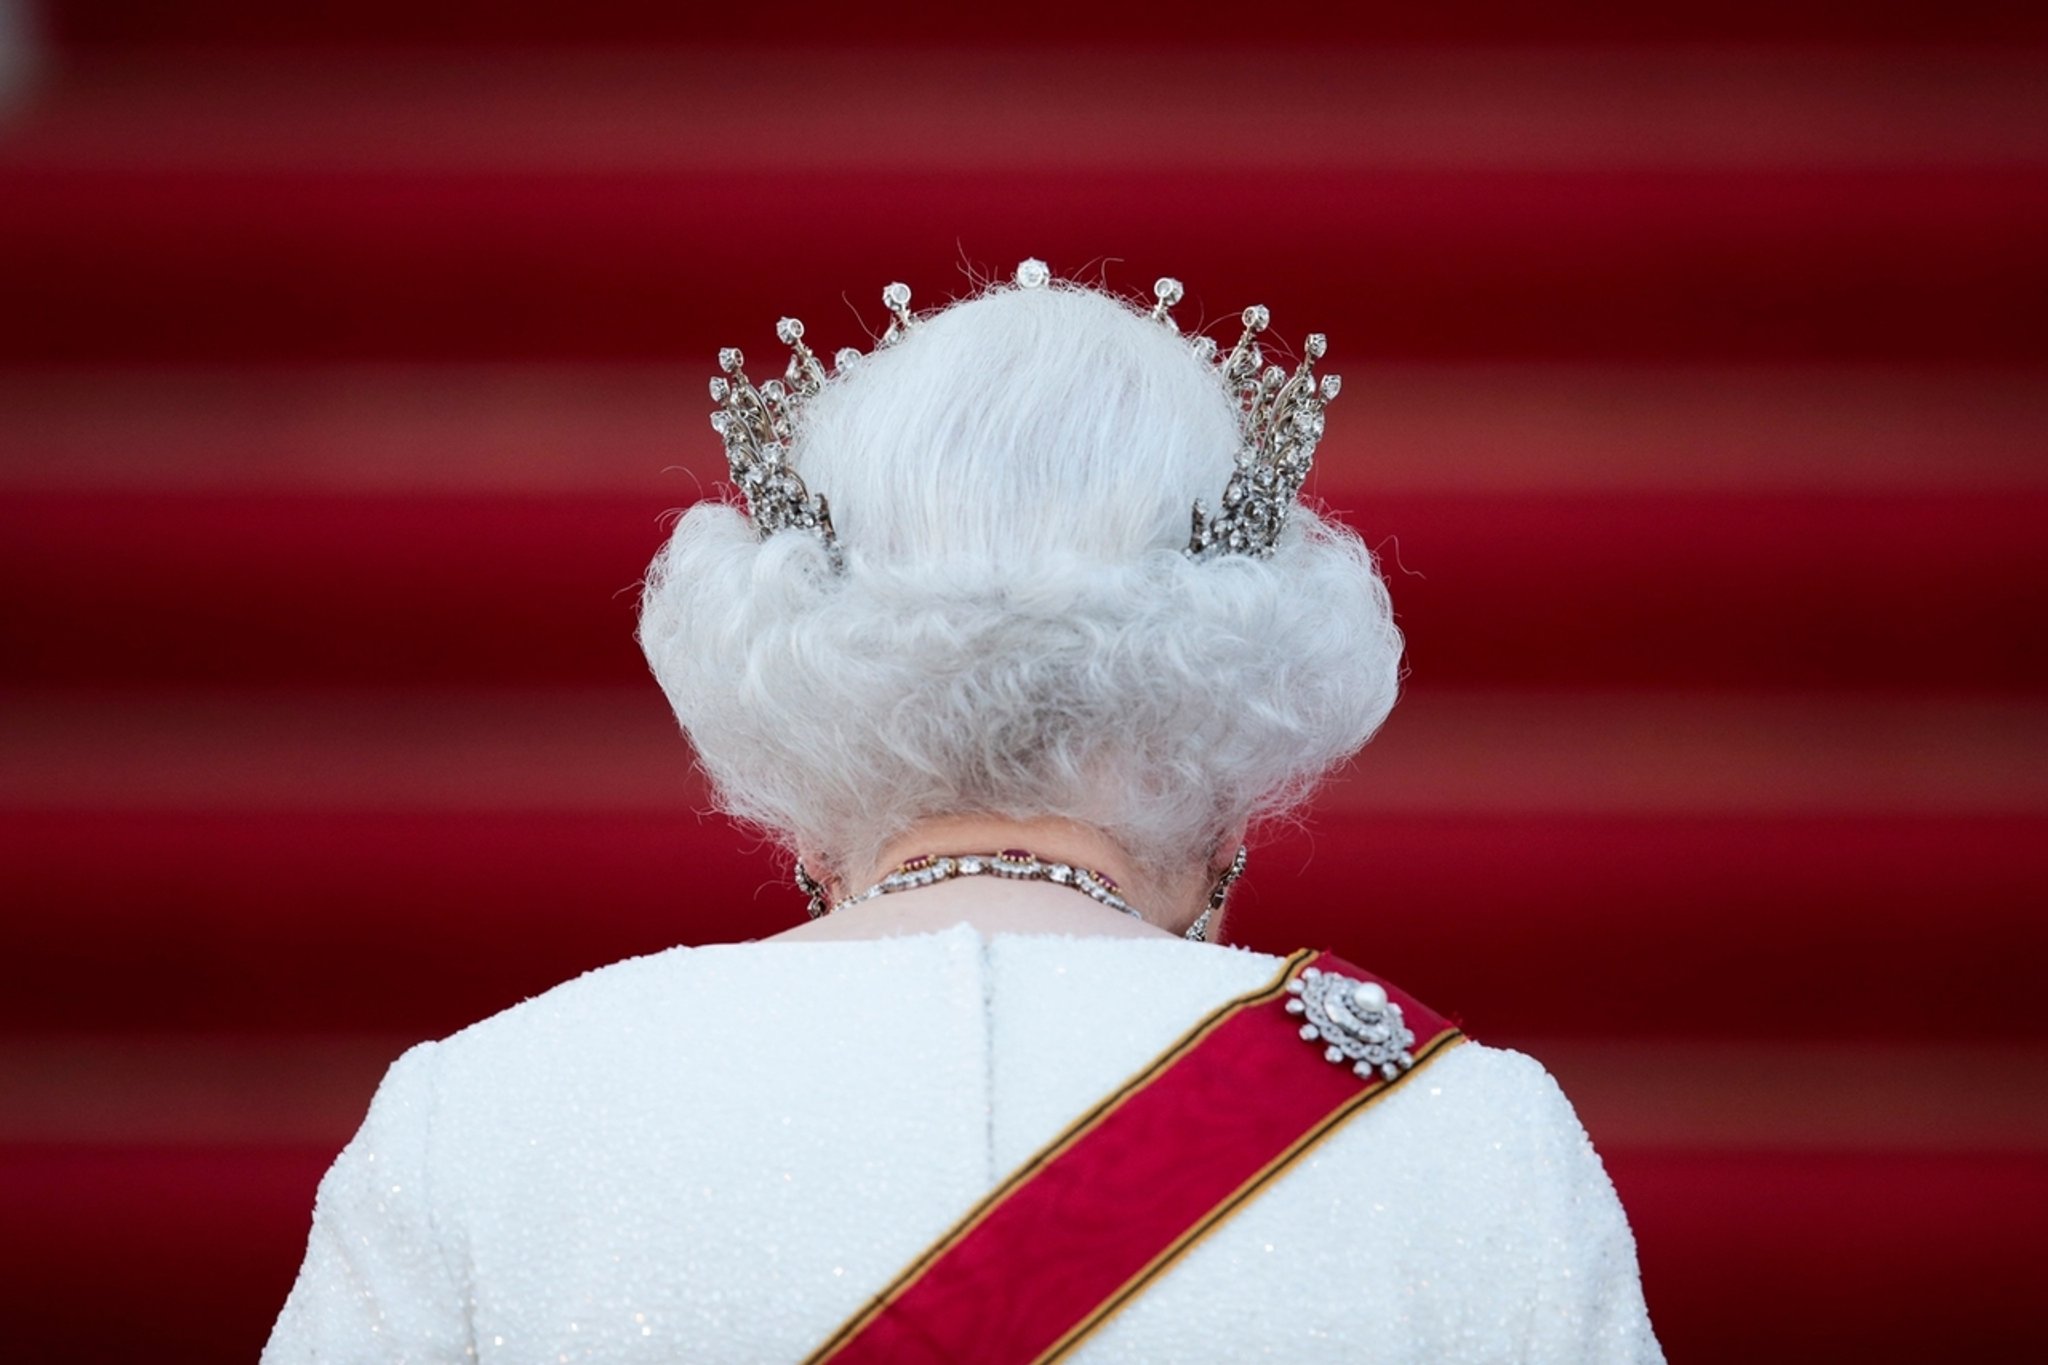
(1017, 630)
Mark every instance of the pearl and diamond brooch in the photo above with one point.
(1355, 1020)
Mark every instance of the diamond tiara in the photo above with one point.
(1279, 421)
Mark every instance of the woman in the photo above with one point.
(998, 1099)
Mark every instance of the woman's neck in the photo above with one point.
(997, 905)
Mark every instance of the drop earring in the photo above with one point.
(1198, 932)
(818, 905)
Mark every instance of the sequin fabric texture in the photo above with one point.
(717, 1154)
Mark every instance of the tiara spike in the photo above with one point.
(804, 375)
(1168, 291)
(1245, 357)
(1303, 380)
(896, 298)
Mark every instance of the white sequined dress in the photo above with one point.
(719, 1153)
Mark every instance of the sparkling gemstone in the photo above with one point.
(719, 421)
(970, 866)
(1310, 1033)
(1332, 384)
(1256, 317)
(896, 295)
(1315, 346)
(773, 391)
(1296, 1006)
(1167, 290)
(845, 358)
(1333, 1054)
(1369, 995)
(789, 331)
(1033, 273)
(720, 388)
(1205, 347)
(730, 359)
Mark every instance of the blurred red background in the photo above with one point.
(351, 357)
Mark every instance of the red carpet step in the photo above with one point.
(1760, 1257)
(90, 24)
(1521, 428)
(421, 921)
(1610, 590)
(1761, 264)
(1577, 201)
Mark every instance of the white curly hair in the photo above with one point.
(1017, 631)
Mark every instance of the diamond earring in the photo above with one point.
(1198, 932)
(819, 905)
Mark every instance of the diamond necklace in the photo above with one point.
(1017, 864)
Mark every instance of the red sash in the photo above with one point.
(1082, 1227)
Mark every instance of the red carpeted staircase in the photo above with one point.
(352, 358)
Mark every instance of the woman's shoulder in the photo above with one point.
(687, 999)
(1508, 1089)
(1494, 1125)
